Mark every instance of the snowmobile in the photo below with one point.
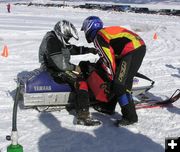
(40, 91)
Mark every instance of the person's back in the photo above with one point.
(51, 53)
(121, 39)
(43, 46)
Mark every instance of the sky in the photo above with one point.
(22, 31)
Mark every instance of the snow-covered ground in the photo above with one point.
(22, 31)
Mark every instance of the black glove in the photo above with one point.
(84, 65)
(85, 50)
(68, 77)
(85, 68)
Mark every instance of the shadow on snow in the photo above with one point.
(104, 139)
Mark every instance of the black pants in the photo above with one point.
(77, 83)
(127, 68)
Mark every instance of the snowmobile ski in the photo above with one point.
(150, 103)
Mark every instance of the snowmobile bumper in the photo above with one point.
(46, 99)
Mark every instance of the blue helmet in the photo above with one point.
(90, 26)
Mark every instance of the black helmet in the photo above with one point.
(65, 30)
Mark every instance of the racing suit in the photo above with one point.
(121, 53)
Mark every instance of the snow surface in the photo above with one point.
(22, 31)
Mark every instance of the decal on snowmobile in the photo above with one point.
(42, 88)
(43, 82)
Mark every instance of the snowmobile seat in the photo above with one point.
(43, 82)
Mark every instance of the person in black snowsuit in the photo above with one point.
(54, 55)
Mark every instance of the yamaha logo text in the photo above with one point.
(42, 88)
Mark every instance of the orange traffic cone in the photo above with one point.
(155, 36)
(5, 51)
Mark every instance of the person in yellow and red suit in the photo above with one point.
(121, 53)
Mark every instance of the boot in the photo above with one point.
(129, 115)
(107, 108)
(124, 122)
(84, 118)
(82, 110)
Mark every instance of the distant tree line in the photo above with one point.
(109, 7)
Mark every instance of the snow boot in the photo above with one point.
(84, 118)
(129, 115)
(82, 110)
(123, 122)
(107, 108)
(104, 108)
